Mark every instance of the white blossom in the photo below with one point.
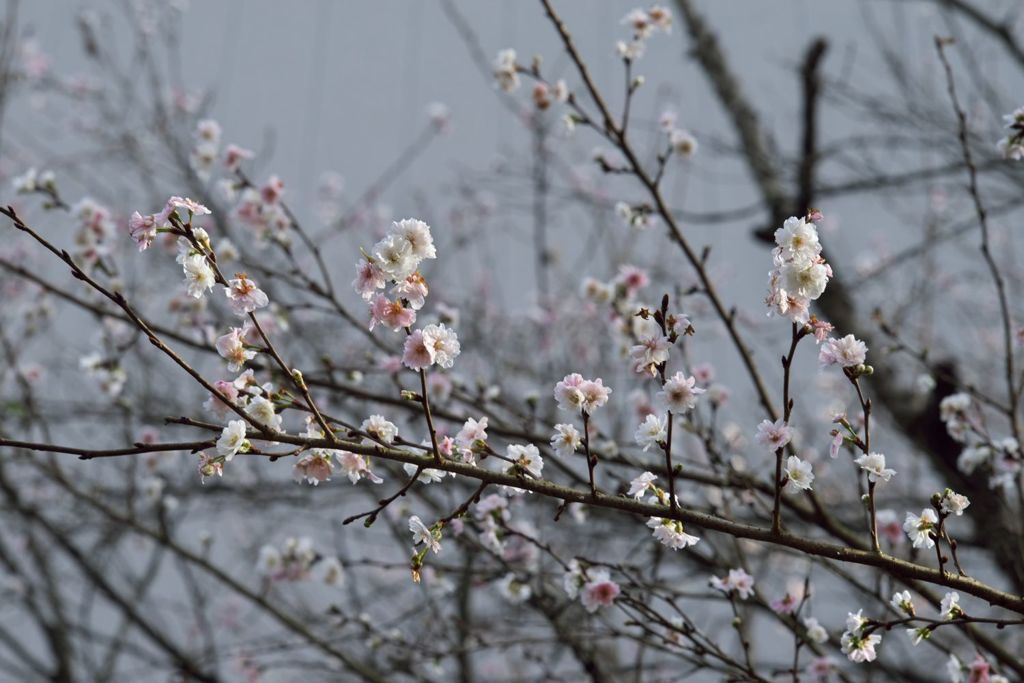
(653, 431)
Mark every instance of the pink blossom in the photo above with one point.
(649, 354)
(599, 592)
(774, 435)
(632, 279)
(595, 395)
(234, 156)
(837, 443)
(787, 604)
(980, 671)
(737, 580)
(704, 373)
(210, 467)
(847, 352)
(568, 392)
(471, 432)
(820, 669)
(820, 329)
(215, 405)
(272, 190)
(244, 296)
(413, 289)
(193, 207)
(417, 355)
(391, 314)
(679, 393)
(231, 347)
(143, 229)
(390, 364)
(890, 527)
(369, 278)
(541, 96)
(314, 468)
(355, 467)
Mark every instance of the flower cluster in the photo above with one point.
(108, 373)
(433, 344)
(144, 229)
(857, 642)
(298, 560)
(396, 259)
(33, 180)
(681, 142)
(291, 563)
(737, 581)
(1001, 458)
(205, 148)
(260, 209)
(95, 230)
(576, 394)
(668, 532)
(643, 24)
(800, 274)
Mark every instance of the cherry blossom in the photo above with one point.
(232, 440)
(737, 580)
(525, 459)
(952, 503)
(566, 440)
(421, 533)
(234, 156)
(262, 410)
(857, 645)
(774, 435)
(506, 70)
(471, 432)
(232, 348)
(671, 533)
(314, 467)
(653, 431)
(847, 352)
(390, 314)
(143, 229)
(798, 475)
(903, 602)
(874, 465)
(814, 631)
(920, 528)
(600, 591)
(639, 486)
(950, 606)
(679, 393)
(649, 354)
(369, 278)
(380, 428)
(800, 274)
(199, 275)
(244, 296)
(356, 467)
